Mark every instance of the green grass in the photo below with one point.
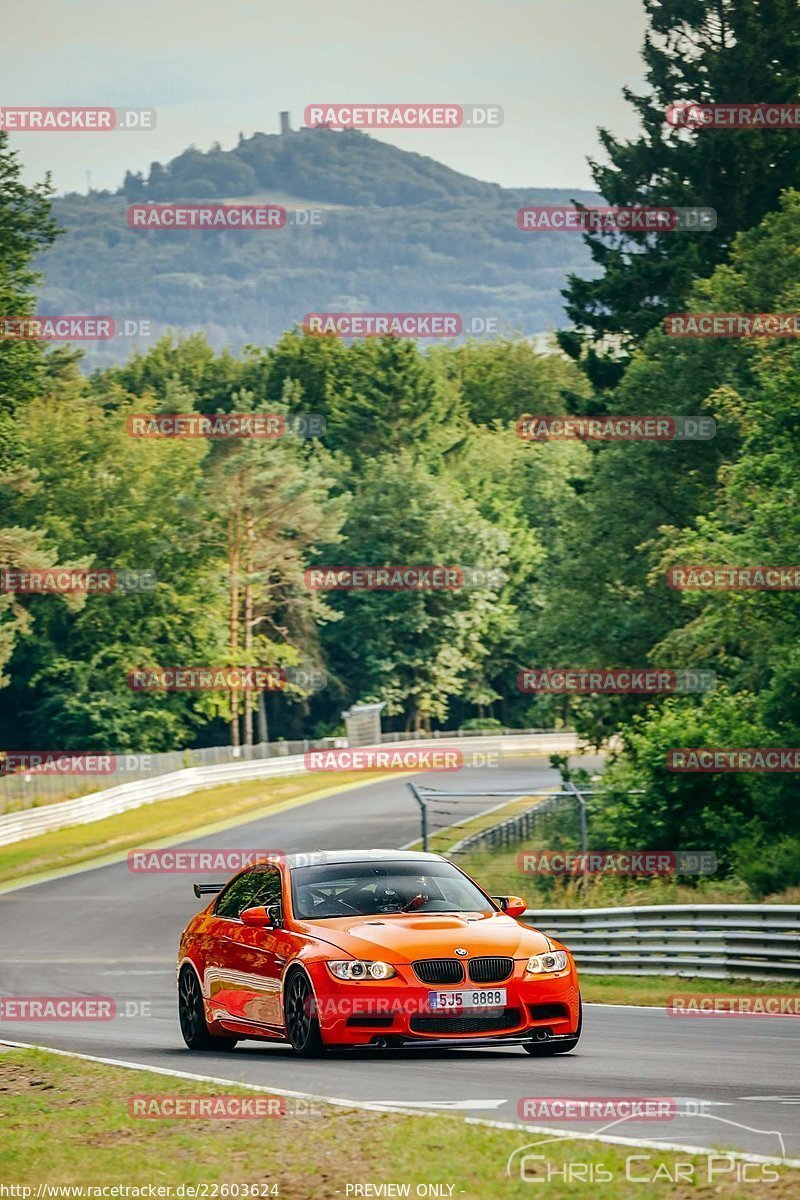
(67, 1122)
(499, 873)
(658, 989)
(441, 841)
(165, 819)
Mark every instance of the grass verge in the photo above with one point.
(657, 990)
(441, 841)
(67, 1122)
(165, 819)
(498, 871)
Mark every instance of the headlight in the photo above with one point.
(546, 964)
(356, 968)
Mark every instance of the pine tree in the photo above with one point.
(703, 51)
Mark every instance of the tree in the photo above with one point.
(272, 511)
(707, 51)
(413, 649)
(378, 395)
(609, 611)
(501, 380)
(108, 501)
(26, 227)
(527, 492)
(750, 638)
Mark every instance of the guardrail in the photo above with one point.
(710, 941)
(21, 789)
(14, 827)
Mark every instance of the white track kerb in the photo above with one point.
(372, 1106)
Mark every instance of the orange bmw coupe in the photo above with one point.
(371, 948)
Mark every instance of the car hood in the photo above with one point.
(407, 937)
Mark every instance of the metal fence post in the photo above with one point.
(423, 815)
(584, 835)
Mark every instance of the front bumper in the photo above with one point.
(396, 1011)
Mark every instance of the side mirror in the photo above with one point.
(258, 918)
(512, 906)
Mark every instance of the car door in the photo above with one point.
(249, 969)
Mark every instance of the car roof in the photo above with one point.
(313, 858)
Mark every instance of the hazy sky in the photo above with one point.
(556, 67)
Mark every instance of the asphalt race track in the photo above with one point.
(109, 932)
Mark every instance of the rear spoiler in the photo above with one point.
(207, 889)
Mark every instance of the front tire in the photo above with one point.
(192, 1016)
(302, 1027)
(548, 1049)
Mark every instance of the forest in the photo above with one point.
(568, 542)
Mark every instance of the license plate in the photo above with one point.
(475, 998)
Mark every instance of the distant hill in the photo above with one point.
(402, 233)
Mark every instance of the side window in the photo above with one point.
(251, 889)
(268, 890)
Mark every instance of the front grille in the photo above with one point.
(444, 1025)
(490, 970)
(548, 1012)
(439, 970)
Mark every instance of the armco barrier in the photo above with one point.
(14, 827)
(711, 941)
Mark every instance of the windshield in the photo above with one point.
(365, 889)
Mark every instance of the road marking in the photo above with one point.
(449, 1104)
(372, 1106)
(774, 1099)
(604, 1004)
